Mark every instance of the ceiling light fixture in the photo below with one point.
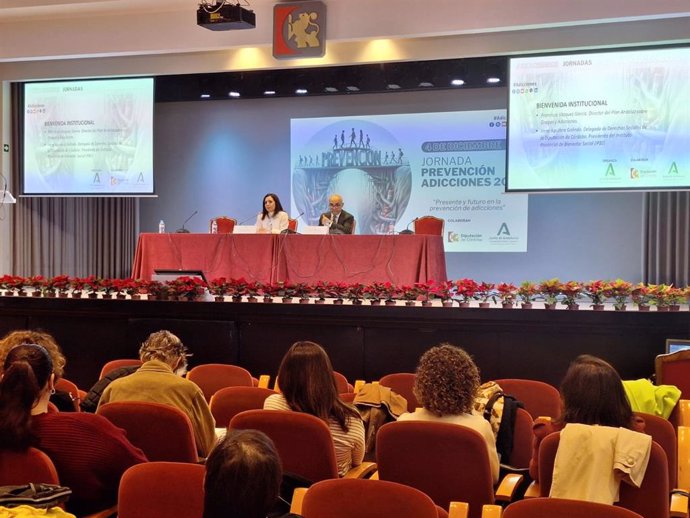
(493, 80)
(301, 91)
(205, 96)
(457, 82)
(234, 94)
(269, 92)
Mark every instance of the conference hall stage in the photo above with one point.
(364, 342)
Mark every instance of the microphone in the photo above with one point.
(407, 228)
(184, 230)
(247, 219)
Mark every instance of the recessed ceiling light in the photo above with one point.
(301, 91)
(330, 89)
(425, 84)
(457, 82)
(493, 80)
(234, 94)
(205, 96)
(393, 86)
(352, 88)
(269, 92)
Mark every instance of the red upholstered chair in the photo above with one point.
(674, 369)
(303, 442)
(212, 377)
(163, 432)
(664, 435)
(342, 384)
(651, 500)
(117, 364)
(540, 399)
(347, 498)
(347, 397)
(225, 225)
(32, 465)
(292, 224)
(448, 462)
(230, 401)
(162, 490)
(75, 394)
(429, 225)
(522, 441)
(402, 383)
(553, 507)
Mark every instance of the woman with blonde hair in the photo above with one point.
(446, 384)
(307, 385)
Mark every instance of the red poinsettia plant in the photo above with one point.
(485, 292)
(507, 292)
(57, 284)
(444, 290)
(186, 287)
(550, 289)
(619, 290)
(219, 287)
(409, 293)
(596, 291)
(35, 281)
(356, 292)
(90, 284)
(571, 291)
(12, 283)
(466, 289)
(527, 292)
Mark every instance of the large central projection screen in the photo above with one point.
(600, 121)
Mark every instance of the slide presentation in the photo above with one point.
(391, 169)
(596, 121)
(88, 138)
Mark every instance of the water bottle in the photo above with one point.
(161, 227)
(214, 227)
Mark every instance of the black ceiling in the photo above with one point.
(337, 80)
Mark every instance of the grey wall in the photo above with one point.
(221, 157)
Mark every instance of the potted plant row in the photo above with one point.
(465, 292)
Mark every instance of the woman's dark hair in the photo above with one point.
(592, 393)
(279, 206)
(447, 381)
(27, 370)
(243, 475)
(306, 380)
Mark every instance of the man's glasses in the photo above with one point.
(335, 204)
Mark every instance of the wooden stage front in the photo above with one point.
(364, 342)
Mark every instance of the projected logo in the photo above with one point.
(362, 162)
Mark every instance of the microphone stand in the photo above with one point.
(184, 230)
(407, 230)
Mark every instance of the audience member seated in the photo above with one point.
(93, 396)
(592, 393)
(62, 400)
(243, 477)
(306, 382)
(446, 383)
(158, 380)
(89, 453)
